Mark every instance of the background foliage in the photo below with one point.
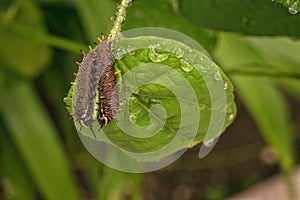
(40, 154)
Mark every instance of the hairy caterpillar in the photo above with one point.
(108, 95)
(88, 77)
(96, 71)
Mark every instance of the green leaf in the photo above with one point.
(262, 99)
(37, 141)
(164, 13)
(253, 17)
(24, 55)
(187, 67)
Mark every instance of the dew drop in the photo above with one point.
(186, 66)
(292, 11)
(231, 117)
(293, 8)
(179, 53)
(225, 86)
(217, 76)
(65, 99)
(201, 58)
(202, 68)
(112, 18)
(157, 57)
(120, 53)
(132, 118)
(130, 49)
(131, 98)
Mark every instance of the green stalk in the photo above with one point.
(120, 17)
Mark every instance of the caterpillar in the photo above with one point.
(88, 77)
(96, 71)
(108, 95)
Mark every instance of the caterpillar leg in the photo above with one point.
(92, 130)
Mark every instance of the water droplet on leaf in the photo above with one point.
(293, 8)
(202, 68)
(157, 57)
(131, 98)
(186, 66)
(179, 53)
(293, 11)
(231, 117)
(225, 86)
(120, 53)
(132, 118)
(130, 50)
(217, 76)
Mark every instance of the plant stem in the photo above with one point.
(120, 17)
(263, 71)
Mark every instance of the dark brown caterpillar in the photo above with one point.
(108, 95)
(88, 77)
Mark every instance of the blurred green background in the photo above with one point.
(41, 156)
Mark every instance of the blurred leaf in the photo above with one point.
(16, 182)
(24, 55)
(253, 17)
(52, 87)
(152, 94)
(163, 13)
(37, 142)
(260, 96)
(282, 54)
(54, 2)
(95, 16)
